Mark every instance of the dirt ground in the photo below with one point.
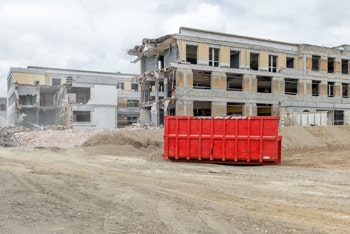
(117, 182)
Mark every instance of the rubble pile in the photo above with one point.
(55, 137)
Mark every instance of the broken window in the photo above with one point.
(234, 82)
(345, 66)
(264, 84)
(201, 108)
(254, 61)
(160, 62)
(291, 86)
(330, 89)
(345, 90)
(273, 63)
(2, 107)
(234, 59)
(191, 54)
(56, 82)
(201, 79)
(131, 120)
(213, 57)
(120, 85)
(234, 108)
(134, 87)
(338, 117)
(81, 116)
(27, 99)
(264, 109)
(46, 99)
(315, 87)
(331, 65)
(316, 62)
(290, 62)
(82, 94)
(132, 103)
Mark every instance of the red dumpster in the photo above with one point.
(229, 140)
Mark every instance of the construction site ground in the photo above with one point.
(118, 182)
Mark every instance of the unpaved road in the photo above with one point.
(130, 189)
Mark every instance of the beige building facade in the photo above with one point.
(203, 73)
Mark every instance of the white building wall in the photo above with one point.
(104, 117)
(103, 95)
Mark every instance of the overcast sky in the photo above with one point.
(95, 34)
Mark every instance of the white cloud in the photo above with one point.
(95, 34)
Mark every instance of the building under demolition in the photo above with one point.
(203, 73)
(40, 96)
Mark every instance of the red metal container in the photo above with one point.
(230, 140)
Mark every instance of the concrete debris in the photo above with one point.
(55, 136)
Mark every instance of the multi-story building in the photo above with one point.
(202, 73)
(40, 96)
(3, 113)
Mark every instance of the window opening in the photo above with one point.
(254, 61)
(191, 54)
(330, 89)
(315, 87)
(264, 84)
(290, 62)
(315, 62)
(273, 63)
(234, 59)
(213, 57)
(291, 86)
(234, 109)
(81, 116)
(331, 65)
(201, 108)
(201, 79)
(234, 82)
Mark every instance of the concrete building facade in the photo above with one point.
(40, 96)
(203, 73)
(3, 111)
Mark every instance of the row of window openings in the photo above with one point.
(191, 57)
(85, 116)
(316, 64)
(203, 108)
(201, 80)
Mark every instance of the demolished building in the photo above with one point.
(41, 96)
(203, 73)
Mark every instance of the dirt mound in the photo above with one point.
(315, 138)
(135, 138)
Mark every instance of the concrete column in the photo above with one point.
(218, 109)
(275, 110)
(337, 65)
(301, 87)
(203, 54)
(250, 109)
(181, 44)
(184, 107)
(347, 117)
(224, 56)
(184, 78)
(278, 85)
(338, 90)
(309, 62)
(218, 81)
(244, 58)
(323, 88)
(324, 64)
(264, 60)
(281, 61)
(250, 83)
(308, 87)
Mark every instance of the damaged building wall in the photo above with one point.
(259, 76)
(41, 96)
(3, 111)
